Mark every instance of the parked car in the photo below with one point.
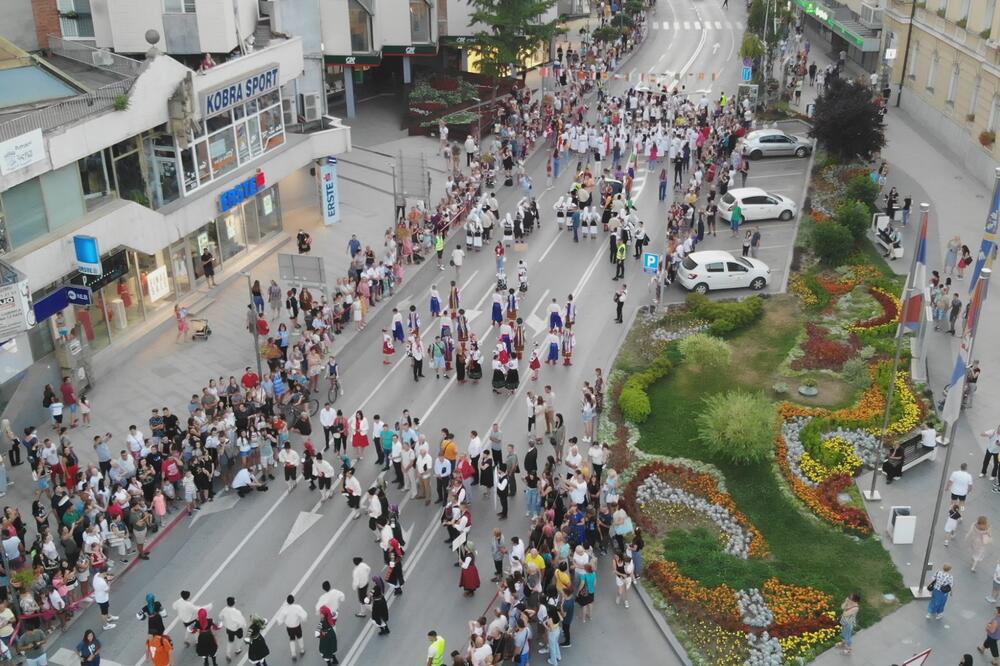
(774, 143)
(757, 204)
(715, 269)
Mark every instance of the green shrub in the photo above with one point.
(861, 188)
(739, 426)
(727, 317)
(855, 372)
(633, 399)
(706, 351)
(832, 243)
(853, 216)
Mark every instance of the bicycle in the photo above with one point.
(334, 390)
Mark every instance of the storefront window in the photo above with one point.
(189, 169)
(420, 21)
(242, 142)
(250, 221)
(222, 150)
(361, 27)
(201, 159)
(268, 212)
(115, 305)
(232, 239)
(198, 240)
(25, 212)
(271, 128)
(63, 196)
(253, 134)
(156, 279)
(131, 186)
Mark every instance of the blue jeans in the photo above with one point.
(847, 634)
(534, 502)
(938, 601)
(555, 168)
(554, 655)
(637, 562)
(663, 190)
(906, 216)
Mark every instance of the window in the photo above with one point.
(932, 71)
(94, 177)
(734, 267)
(974, 98)
(912, 65)
(964, 13)
(420, 21)
(991, 7)
(75, 20)
(717, 267)
(361, 27)
(179, 6)
(25, 212)
(62, 196)
(991, 123)
(953, 84)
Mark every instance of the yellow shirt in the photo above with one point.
(449, 450)
(562, 579)
(537, 560)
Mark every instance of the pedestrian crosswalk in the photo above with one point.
(696, 25)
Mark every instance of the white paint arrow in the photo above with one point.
(303, 522)
(472, 314)
(536, 324)
(223, 503)
(715, 48)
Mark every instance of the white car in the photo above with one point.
(757, 204)
(716, 269)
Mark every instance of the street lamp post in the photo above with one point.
(253, 327)
(906, 53)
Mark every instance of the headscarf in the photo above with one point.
(328, 615)
(378, 585)
(203, 622)
(150, 604)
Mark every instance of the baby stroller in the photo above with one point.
(200, 330)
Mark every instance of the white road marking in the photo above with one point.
(687, 25)
(551, 245)
(223, 503)
(697, 25)
(677, 25)
(718, 25)
(303, 522)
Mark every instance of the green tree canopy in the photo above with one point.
(511, 32)
(847, 121)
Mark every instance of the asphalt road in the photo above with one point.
(268, 545)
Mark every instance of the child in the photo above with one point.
(159, 506)
(56, 412)
(951, 524)
(190, 491)
(85, 409)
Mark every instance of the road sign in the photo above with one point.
(746, 74)
(650, 262)
(748, 62)
(890, 54)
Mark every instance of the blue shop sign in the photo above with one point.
(238, 91)
(60, 299)
(245, 190)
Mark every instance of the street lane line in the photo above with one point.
(225, 563)
(697, 25)
(677, 25)
(718, 25)
(687, 25)
(551, 245)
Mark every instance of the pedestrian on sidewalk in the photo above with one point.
(208, 267)
(954, 308)
(849, 609)
(102, 597)
(992, 635)
(960, 484)
(619, 299)
(940, 588)
(274, 299)
(979, 537)
(964, 261)
(951, 254)
(992, 450)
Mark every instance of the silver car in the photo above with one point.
(774, 142)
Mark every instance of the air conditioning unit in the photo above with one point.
(102, 58)
(870, 16)
(312, 107)
(288, 111)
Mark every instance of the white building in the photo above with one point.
(155, 161)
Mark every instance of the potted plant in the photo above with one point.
(987, 137)
(808, 387)
(970, 117)
(121, 102)
(71, 14)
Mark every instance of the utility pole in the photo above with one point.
(906, 52)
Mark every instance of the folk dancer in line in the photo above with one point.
(388, 349)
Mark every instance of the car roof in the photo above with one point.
(764, 132)
(711, 255)
(739, 192)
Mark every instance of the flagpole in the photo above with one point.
(920, 591)
(871, 494)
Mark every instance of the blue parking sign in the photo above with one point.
(746, 74)
(650, 262)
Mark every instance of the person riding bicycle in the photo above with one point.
(333, 372)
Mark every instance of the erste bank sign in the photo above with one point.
(238, 91)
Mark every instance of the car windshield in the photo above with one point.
(728, 199)
(743, 261)
(689, 263)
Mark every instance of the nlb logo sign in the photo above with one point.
(241, 90)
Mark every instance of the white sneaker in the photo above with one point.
(109, 626)
(626, 604)
(113, 618)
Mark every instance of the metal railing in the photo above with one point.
(66, 112)
(93, 57)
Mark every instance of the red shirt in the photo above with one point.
(68, 394)
(262, 327)
(250, 380)
(171, 470)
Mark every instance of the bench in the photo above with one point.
(880, 231)
(915, 453)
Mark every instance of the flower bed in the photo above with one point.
(883, 323)
(822, 352)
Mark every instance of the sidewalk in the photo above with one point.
(924, 169)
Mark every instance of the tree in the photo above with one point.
(853, 216)
(847, 122)
(512, 31)
(752, 47)
(862, 188)
(832, 243)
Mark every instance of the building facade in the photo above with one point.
(946, 56)
(159, 165)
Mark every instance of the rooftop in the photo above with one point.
(70, 81)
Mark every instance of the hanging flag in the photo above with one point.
(989, 244)
(975, 309)
(956, 386)
(913, 309)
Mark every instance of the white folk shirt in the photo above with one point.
(288, 457)
(232, 619)
(292, 615)
(331, 600)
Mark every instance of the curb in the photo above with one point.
(665, 629)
